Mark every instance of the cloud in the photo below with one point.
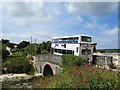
(105, 42)
(44, 21)
(91, 8)
(86, 23)
(0, 16)
(0, 5)
(107, 39)
(79, 19)
(40, 35)
(26, 9)
(0, 35)
(55, 11)
(90, 26)
(0, 22)
(111, 32)
(26, 13)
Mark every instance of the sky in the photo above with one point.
(45, 20)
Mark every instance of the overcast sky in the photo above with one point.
(44, 20)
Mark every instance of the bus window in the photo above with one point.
(60, 40)
(70, 40)
(63, 51)
(75, 40)
(86, 39)
(70, 52)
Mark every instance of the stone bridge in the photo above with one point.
(47, 64)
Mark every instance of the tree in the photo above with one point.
(23, 44)
(43, 46)
(5, 41)
(19, 65)
(3, 52)
(31, 49)
(48, 46)
(11, 45)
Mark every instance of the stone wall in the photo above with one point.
(53, 61)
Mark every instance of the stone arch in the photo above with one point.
(47, 70)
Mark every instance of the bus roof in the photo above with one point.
(72, 36)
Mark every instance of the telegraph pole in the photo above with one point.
(31, 39)
(35, 40)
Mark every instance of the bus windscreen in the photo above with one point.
(86, 39)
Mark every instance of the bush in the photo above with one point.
(62, 81)
(18, 65)
(112, 66)
(89, 77)
(31, 49)
(81, 77)
(5, 54)
(69, 60)
(44, 52)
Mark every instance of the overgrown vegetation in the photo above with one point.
(69, 60)
(35, 49)
(17, 61)
(112, 66)
(18, 65)
(78, 74)
(3, 52)
(31, 49)
(80, 77)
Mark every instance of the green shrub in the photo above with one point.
(69, 60)
(62, 81)
(91, 77)
(3, 71)
(31, 49)
(87, 77)
(81, 77)
(44, 52)
(4, 53)
(18, 65)
(112, 65)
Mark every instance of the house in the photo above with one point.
(9, 49)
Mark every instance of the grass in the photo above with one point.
(80, 77)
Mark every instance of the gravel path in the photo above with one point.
(16, 81)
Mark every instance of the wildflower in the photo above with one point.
(85, 81)
(77, 84)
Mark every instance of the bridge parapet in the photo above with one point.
(54, 59)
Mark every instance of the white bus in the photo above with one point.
(77, 45)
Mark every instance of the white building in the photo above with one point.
(8, 48)
(77, 45)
